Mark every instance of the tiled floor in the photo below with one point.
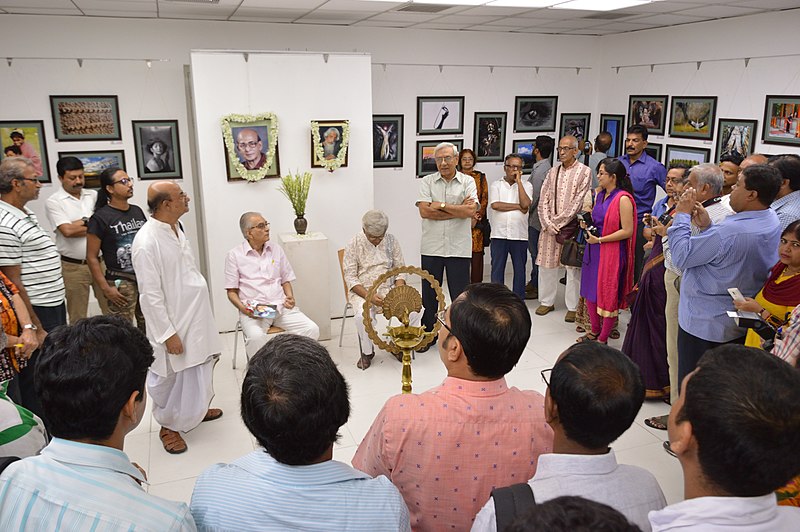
(173, 476)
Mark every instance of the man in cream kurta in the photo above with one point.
(180, 326)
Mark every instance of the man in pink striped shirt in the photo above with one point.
(447, 448)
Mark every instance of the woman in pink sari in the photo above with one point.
(607, 273)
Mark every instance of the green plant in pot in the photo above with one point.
(295, 188)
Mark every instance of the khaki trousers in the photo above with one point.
(77, 279)
(671, 314)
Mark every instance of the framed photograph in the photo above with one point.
(94, 162)
(782, 120)
(692, 117)
(615, 125)
(425, 148)
(440, 115)
(735, 137)
(158, 149)
(524, 148)
(648, 111)
(387, 141)
(490, 136)
(535, 113)
(686, 155)
(251, 144)
(232, 173)
(85, 118)
(575, 124)
(26, 138)
(331, 133)
(654, 150)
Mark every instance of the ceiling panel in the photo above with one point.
(336, 16)
(383, 24)
(111, 7)
(667, 19)
(657, 7)
(714, 12)
(405, 17)
(268, 14)
(357, 5)
(43, 10)
(37, 4)
(461, 20)
(280, 4)
(496, 11)
(769, 4)
(623, 26)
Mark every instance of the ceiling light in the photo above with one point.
(594, 5)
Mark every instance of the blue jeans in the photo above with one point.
(533, 247)
(501, 248)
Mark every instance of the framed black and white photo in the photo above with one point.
(615, 126)
(648, 111)
(490, 136)
(158, 149)
(688, 155)
(85, 118)
(575, 124)
(25, 138)
(535, 113)
(440, 115)
(426, 163)
(692, 117)
(735, 137)
(94, 162)
(387, 141)
(782, 120)
(654, 150)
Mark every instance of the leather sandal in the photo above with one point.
(212, 414)
(657, 422)
(365, 361)
(172, 441)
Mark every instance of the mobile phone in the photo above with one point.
(736, 294)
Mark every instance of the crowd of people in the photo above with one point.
(471, 453)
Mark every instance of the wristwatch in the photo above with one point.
(30, 327)
(85, 221)
(442, 205)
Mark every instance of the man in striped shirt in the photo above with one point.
(28, 256)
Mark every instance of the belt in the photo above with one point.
(73, 261)
(116, 274)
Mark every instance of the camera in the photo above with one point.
(664, 219)
(586, 218)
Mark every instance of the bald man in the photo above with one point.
(180, 326)
(250, 148)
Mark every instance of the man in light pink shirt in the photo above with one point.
(257, 275)
(445, 449)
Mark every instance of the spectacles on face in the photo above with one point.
(440, 317)
(448, 159)
(565, 148)
(545, 376)
(262, 226)
(245, 145)
(124, 181)
(513, 166)
(467, 160)
(31, 179)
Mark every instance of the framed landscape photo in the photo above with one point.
(425, 151)
(535, 113)
(735, 137)
(615, 126)
(782, 120)
(95, 161)
(490, 136)
(692, 117)
(440, 115)
(85, 118)
(524, 148)
(654, 150)
(26, 138)
(648, 111)
(686, 155)
(387, 141)
(575, 124)
(158, 149)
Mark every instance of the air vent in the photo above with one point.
(422, 8)
(207, 2)
(610, 15)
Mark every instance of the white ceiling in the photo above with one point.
(408, 15)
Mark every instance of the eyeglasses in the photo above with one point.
(545, 373)
(262, 226)
(33, 179)
(448, 159)
(440, 317)
(565, 148)
(124, 181)
(513, 166)
(243, 145)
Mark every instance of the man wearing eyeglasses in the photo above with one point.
(250, 148)
(447, 201)
(510, 199)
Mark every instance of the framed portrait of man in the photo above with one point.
(158, 149)
(331, 142)
(25, 138)
(251, 145)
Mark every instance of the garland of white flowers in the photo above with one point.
(244, 120)
(319, 151)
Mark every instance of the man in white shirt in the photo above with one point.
(509, 201)
(69, 210)
(736, 430)
(594, 392)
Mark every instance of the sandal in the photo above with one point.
(588, 337)
(657, 422)
(579, 328)
(212, 414)
(172, 441)
(614, 334)
(365, 361)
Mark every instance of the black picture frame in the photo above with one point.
(575, 124)
(440, 115)
(524, 148)
(615, 126)
(649, 111)
(735, 136)
(489, 140)
(655, 150)
(95, 161)
(387, 141)
(777, 110)
(535, 114)
(425, 163)
(32, 132)
(147, 136)
(686, 154)
(692, 117)
(80, 118)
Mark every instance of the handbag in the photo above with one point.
(486, 231)
(572, 251)
(570, 229)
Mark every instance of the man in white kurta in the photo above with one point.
(180, 326)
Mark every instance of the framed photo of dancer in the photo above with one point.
(692, 117)
(158, 149)
(440, 115)
(85, 118)
(535, 113)
(387, 141)
(425, 151)
(25, 138)
(686, 155)
(735, 137)
(648, 111)
(95, 161)
(782, 120)
(490, 136)
(615, 126)
(575, 124)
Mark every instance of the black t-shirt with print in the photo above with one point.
(116, 229)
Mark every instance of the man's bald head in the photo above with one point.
(750, 160)
(159, 192)
(603, 142)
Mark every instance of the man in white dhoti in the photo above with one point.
(174, 299)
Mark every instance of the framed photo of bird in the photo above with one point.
(693, 117)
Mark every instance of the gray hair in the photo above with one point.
(709, 174)
(10, 169)
(375, 223)
(573, 141)
(443, 145)
(244, 222)
(332, 130)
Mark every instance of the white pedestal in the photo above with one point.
(308, 255)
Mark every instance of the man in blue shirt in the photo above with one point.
(737, 252)
(645, 173)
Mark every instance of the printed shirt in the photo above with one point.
(64, 208)
(508, 225)
(116, 230)
(787, 208)
(364, 262)
(447, 238)
(447, 448)
(645, 173)
(258, 276)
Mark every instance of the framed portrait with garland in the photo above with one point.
(329, 142)
(251, 143)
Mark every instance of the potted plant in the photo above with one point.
(295, 188)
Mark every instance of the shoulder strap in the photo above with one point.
(6, 461)
(510, 502)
